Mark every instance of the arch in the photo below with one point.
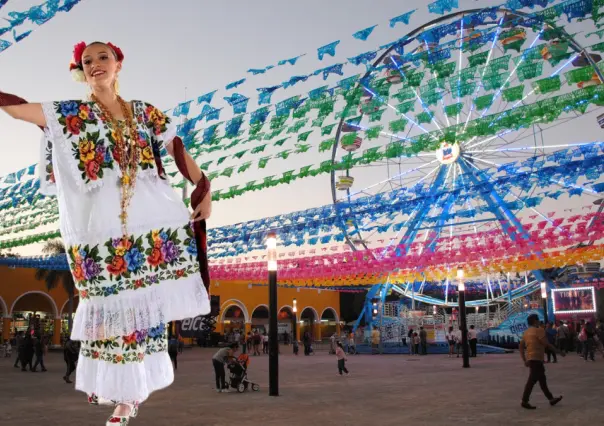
(333, 311)
(313, 310)
(75, 304)
(291, 309)
(262, 305)
(52, 302)
(288, 309)
(5, 312)
(234, 302)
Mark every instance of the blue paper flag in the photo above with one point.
(363, 58)
(404, 18)
(256, 71)
(440, 7)
(232, 127)
(294, 80)
(210, 113)
(317, 93)
(235, 84)
(264, 97)
(206, 98)
(364, 34)
(334, 69)
(209, 133)
(20, 37)
(348, 82)
(182, 109)
(328, 49)
(291, 61)
(259, 116)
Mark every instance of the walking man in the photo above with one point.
(423, 341)
(39, 352)
(20, 345)
(473, 339)
(534, 342)
(71, 350)
(551, 339)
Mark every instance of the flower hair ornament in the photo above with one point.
(76, 68)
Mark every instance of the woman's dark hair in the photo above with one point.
(339, 344)
(234, 346)
(450, 329)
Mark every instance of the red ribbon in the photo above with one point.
(201, 190)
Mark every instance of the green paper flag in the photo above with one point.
(326, 145)
(327, 129)
(303, 136)
(397, 125)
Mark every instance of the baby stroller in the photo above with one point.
(238, 374)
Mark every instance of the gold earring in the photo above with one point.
(116, 87)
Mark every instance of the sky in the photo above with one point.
(184, 48)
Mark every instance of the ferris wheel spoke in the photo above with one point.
(398, 176)
(539, 147)
(498, 93)
(479, 85)
(422, 103)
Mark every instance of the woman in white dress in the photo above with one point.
(129, 238)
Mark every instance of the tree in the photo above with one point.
(54, 278)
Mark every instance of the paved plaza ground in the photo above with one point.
(381, 390)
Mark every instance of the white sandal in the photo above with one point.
(123, 420)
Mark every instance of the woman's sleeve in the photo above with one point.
(45, 167)
(161, 127)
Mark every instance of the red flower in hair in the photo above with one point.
(117, 50)
(78, 50)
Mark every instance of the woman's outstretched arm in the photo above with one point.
(17, 108)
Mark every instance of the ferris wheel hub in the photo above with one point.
(448, 153)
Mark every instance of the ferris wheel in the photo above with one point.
(456, 123)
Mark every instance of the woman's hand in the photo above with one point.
(204, 209)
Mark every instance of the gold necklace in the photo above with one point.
(128, 156)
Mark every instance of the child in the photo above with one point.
(341, 355)
(296, 347)
(416, 341)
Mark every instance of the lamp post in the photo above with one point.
(273, 350)
(544, 300)
(295, 333)
(462, 319)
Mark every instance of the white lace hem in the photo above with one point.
(132, 382)
(103, 317)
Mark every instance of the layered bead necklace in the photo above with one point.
(128, 153)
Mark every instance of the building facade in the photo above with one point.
(25, 302)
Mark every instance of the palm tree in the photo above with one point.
(54, 277)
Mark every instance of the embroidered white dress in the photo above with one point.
(129, 289)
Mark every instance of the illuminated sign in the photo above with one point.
(575, 300)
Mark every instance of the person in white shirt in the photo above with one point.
(450, 336)
(473, 339)
(265, 343)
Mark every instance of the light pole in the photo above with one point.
(295, 333)
(544, 300)
(462, 319)
(273, 350)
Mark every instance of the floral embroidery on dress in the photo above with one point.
(93, 142)
(49, 174)
(75, 116)
(127, 349)
(93, 156)
(133, 263)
